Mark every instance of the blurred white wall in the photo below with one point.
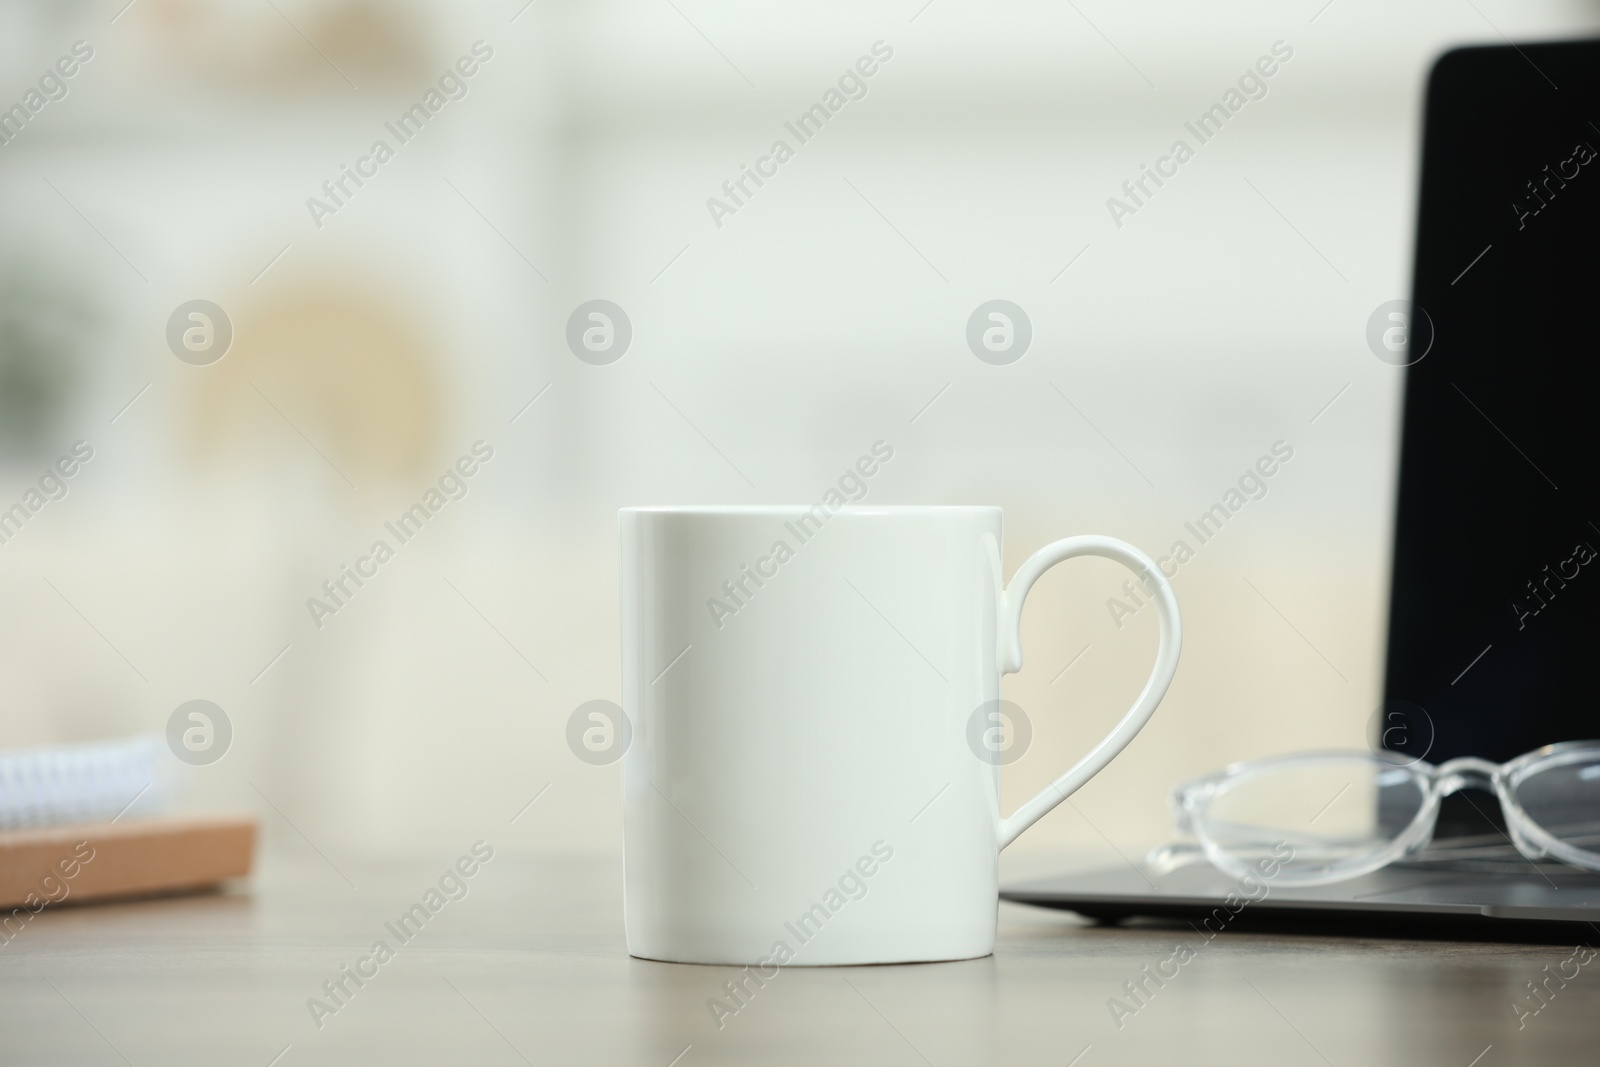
(825, 314)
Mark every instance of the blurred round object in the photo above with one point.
(288, 48)
(330, 370)
(46, 322)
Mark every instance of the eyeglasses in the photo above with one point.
(1346, 814)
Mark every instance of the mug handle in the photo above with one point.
(1153, 580)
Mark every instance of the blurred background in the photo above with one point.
(374, 344)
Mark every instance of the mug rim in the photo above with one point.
(858, 510)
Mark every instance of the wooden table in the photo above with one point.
(530, 968)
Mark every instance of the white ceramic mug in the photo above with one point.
(799, 787)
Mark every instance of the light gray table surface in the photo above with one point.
(530, 968)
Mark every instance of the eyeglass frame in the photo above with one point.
(1191, 799)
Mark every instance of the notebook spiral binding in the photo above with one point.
(91, 782)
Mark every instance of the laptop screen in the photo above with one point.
(1494, 625)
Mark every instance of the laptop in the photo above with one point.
(1492, 639)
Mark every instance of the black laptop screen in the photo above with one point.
(1495, 608)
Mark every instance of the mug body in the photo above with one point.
(800, 788)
